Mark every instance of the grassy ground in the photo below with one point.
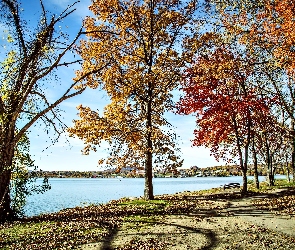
(71, 228)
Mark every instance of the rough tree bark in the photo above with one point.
(148, 187)
(293, 150)
(6, 212)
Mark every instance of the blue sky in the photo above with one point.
(66, 153)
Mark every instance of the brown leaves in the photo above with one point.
(148, 244)
(71, 227)
(280, 205)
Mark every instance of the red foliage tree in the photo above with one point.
(266, 29)
(228, 109)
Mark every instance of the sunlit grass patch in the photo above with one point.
(149, 206)
(264, 186)
(208, 191)
(284, 183)
(18, 231)
(142, 202)
(139, 221)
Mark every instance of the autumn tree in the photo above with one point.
(142, 41)
(277, 23)
(30, 58)
(266, 28)
(228, 110)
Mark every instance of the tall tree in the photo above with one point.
(216, 89)
(31, 56)
(141, 39)
(267, 30)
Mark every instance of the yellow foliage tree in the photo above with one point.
(141, 40)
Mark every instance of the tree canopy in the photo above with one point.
(141, 39)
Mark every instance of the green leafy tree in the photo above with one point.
(31, 57)
(23, 181)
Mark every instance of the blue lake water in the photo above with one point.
(72, 192)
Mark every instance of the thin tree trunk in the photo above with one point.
(245, 168)
(293, 149)
(287, 169)
(268, 162)
(245, 184)
(255, 162)
(271, 172)
(242, 164)
(293, 159)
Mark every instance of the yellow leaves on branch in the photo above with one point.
(136, 40)
(270, 28)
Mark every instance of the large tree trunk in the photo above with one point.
(148, 184)
(6, 154)
(6, 158)
(6, 212)
(243, 167)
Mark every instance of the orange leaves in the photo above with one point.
(133, 44)
(270, 29)
(278, 25)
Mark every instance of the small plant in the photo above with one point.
(23, 181)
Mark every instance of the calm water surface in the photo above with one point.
(72, 192)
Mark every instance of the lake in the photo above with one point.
(72, 192)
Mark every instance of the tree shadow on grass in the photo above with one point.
(236, 206)
(163, 236)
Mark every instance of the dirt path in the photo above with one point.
(233, 224)
(245, 210)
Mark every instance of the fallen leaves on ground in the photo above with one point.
(283, 203)
(136, 244)
(71, 227)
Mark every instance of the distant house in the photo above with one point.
(194, 168)
(140, 172)
(184, 172)
(127, 170)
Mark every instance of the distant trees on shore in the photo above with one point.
(217, 171)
